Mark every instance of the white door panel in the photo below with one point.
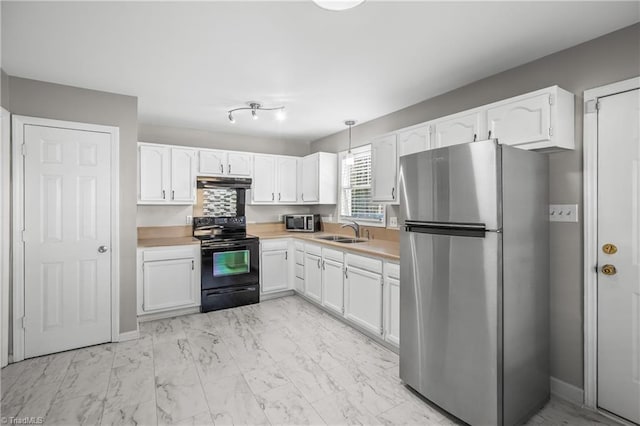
(212, 162)
(287, 179)
(183, 175)
(457, 130)
(154, 172)
(67, 218)
(363, 303)
(522, 121)
(239, 164)
(333, 285)
(263, 185)
(313, 277)
(619, 224)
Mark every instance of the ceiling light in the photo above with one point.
(337, 5)
(348, 158)
(254, 107)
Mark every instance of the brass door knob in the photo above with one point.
(609, 270)
(609, 248)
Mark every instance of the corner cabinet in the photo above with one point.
(168, 278)
(166, 175)
(383, 172)
(320, 178)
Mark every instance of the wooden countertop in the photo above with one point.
(167, 241)
(379, 248)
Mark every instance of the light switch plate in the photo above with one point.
(563, 212)
(393, 221)
(189, 220)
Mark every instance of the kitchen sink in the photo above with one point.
(342, 239)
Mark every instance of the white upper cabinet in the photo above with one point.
(384, 178)
(459, 128)
(183, 175)
(263, 189)
(274, 179)
(320, 178)
(212, 162)
(287, 179)
(224, 163)
(539, 120)
(239, 164)
(154, 174)
(414, 139)
(166, 175)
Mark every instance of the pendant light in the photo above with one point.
(348, 158)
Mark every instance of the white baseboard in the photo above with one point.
(276, 295)
(566, 391)
(168, 314)
(129, 335)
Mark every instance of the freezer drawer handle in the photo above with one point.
(452, 229)
(229, 291)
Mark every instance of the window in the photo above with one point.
(355, 189)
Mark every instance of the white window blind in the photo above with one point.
(355, 197)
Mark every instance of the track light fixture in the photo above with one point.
(254, 107)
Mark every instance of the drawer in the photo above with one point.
(299, 257)
(170, 253)
(313, 249)
(300, 271)
(366, 263)
(336, 255)
(299, 245)
(268, 245)
(392, 270)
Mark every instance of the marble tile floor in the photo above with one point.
(280, 362)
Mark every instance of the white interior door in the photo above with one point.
(67, 221)
(619, 254)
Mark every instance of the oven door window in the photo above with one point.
(227, 263)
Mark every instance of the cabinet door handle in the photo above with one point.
(393, 193)
(273, 196)
(489, 137)
(193, 265)
(229, 168)
(221, 168)
(318, 263)
(163, 194)
(286, 255)
(279, 196)
(173, 194)
(323, 267)
(302, 196)
(475, 137)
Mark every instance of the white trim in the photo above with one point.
(5, 230)
(18, 123)
(168, 314)
(590, 193)
(129, 335)
(566, 391)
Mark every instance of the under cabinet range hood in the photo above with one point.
(223, 182)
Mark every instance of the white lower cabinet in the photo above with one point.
(313, 272)
(168, 279)
(274, 265)
(332, 280)
(363, 292)
(392, 303)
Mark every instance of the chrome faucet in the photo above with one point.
(354, 226)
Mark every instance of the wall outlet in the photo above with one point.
(563, 212)
(393, 221)
(189, 220)
(280, 217)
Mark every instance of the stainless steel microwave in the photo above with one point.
(302, 222)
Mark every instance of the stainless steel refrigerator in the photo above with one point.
(474, 280)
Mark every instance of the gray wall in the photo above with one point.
(229, 141)
(48, 100)
(613, 57)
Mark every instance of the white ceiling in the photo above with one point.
(189, 62)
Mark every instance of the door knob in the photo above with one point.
(609, 248)
(103, 249)
(609, 270)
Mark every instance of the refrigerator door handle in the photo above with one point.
(477, 230)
